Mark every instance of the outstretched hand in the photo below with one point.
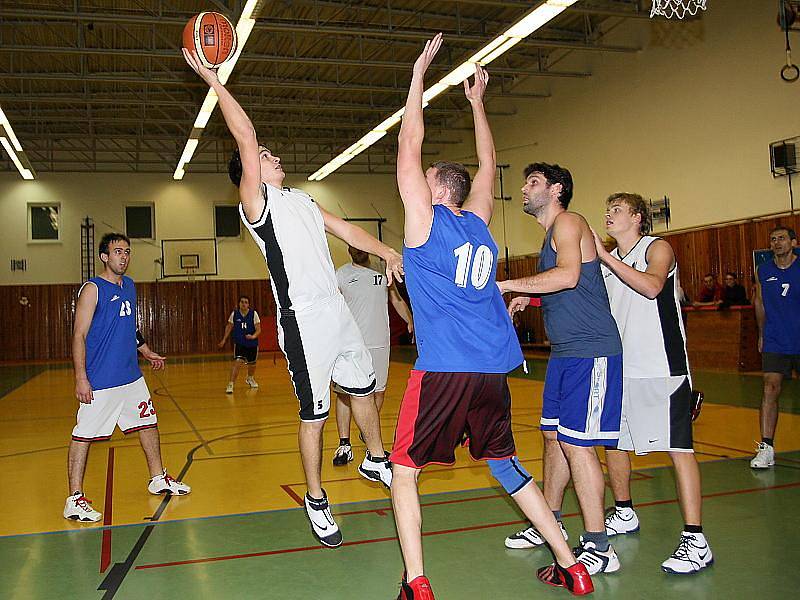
(478, 88)
(518, 304)
(394, 267)
(207, 75)
(598, 244)
(426, 58)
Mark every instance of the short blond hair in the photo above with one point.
(637, 206)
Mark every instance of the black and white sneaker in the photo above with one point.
(376, 469)
(343, 455)
(323, 526)
(691, 555)
(594, 560)
(621, 519)
(530, 538)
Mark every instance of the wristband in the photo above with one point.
(535, 301)
(140, 341)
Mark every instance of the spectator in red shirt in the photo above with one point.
(711, 292)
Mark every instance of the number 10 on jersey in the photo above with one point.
(477, 267)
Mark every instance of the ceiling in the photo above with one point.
(101, 86)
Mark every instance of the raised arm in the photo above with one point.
(358, 238)
(660, 260)
(243, 132)
(414, 190)
(481, 196)
(84, 312)
(567, 232)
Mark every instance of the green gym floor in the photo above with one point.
(242, 534)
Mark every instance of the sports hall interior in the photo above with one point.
(102, 104)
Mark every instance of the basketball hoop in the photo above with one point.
(190, 273)
(676, 8)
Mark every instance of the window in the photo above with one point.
(139, 221)
(44, 222)
(226, 221)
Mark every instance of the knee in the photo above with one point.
(509, 473)
(313, 426)
(771, 391)
(404, 474)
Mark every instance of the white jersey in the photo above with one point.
(291, 235)
(653, 337)
(366, 293)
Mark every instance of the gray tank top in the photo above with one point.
(578, 320)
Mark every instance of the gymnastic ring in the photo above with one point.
(790, 73)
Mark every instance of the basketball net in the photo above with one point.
(190, 274)
(676, 8)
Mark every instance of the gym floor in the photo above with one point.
(242, 534)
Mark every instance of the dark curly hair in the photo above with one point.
(235, 165)
(106, 240)
(554, 174)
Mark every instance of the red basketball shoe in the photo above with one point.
(418, 588)
(575, 578)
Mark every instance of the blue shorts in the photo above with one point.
(583, 400)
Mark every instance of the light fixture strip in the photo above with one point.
(9, 141)
(534, 19)
(243, 29)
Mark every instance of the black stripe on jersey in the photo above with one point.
(680, 417)
(296, 357)
(274, 256)
(359, 391)
(668, 314)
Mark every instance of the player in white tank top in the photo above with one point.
(315, 329)
(366, 293)
(642, 283)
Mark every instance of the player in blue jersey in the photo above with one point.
(777, 302)
(465, 340)
(108, 381)
(244, 325)
(582, 399)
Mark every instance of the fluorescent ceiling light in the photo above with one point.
(25, 172)
(530, 22)
(14, 149)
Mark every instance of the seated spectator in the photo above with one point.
(710, 293)
(733, 293)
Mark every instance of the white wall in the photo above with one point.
(182, 210)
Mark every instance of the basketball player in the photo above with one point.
(465, 340)
(366, 293)
(777, 302)
(316, 330)
(640, 276)
(108, 381)
(246, 327)
(583, 386)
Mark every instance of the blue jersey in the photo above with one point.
(578, 321)
(111, 356)
(780, 292)
(242, 326)
(460, 320)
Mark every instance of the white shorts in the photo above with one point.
(656, 415)
(380, 361)
(127, 406)
(324, 344)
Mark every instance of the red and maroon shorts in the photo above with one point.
(438, 409)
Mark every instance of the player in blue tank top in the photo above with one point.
(582, 400)
(466, 341)
(108, 382)
(777, 303)
(244, 327)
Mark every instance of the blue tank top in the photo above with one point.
(578, 321)
(460, 320)
(111, 356)
(242, 326)
(780, 292)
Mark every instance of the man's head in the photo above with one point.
(115, 252)
(545, 184)
(271, 169)
(359, 256)
(709, 281)
(449, 183)
(244, 303)
(626, 212)
(782, 241)
(730, 279)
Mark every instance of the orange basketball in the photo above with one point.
(212, 36)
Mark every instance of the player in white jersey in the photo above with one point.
(367, 293)
(642, 283)
(316, 330)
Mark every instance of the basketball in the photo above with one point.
(212, 36)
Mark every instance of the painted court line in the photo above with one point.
(105, 550)
(440, 532)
